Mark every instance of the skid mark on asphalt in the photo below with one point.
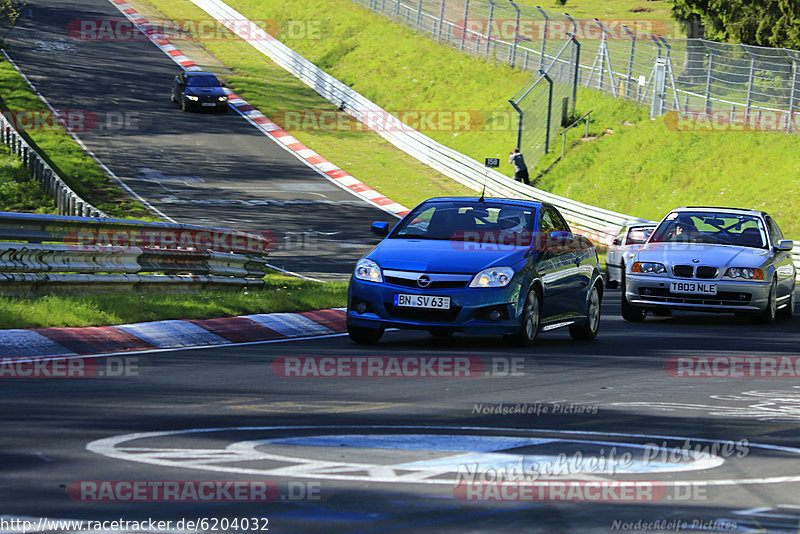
(327, 407)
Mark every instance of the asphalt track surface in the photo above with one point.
(379, 454)
(374, 454)
(201, 168)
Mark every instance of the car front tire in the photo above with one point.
(610, 284)
(184, 103)
(531, 319)
(589, 329)
(363, 335)
(771, 311)
(631, 313)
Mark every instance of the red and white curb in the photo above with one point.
(267, 126)
(59, 342)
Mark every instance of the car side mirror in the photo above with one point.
(785, 245)
(616, 241)
(560, 235)
(380, 229)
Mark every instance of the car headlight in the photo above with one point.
(648, 267)
(745, 272)
(493, 277)
(223, 98)
(193, 98)
(368, 270)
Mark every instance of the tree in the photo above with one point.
(10, 11)
(774, 23)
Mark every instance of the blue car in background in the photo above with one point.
(478, 266)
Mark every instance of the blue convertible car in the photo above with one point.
(492, 267)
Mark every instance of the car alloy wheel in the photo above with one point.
(588, 330)
(531, 316)
(769, 313)
(184, 104)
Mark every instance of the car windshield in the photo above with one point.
(483, 222)
(714, 228)
(202, 81)
(639, 234)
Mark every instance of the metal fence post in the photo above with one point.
(577, 63)
(602, 56)
(544, 36)
(549, 111)
(441, 20)
(630, 62)
(572, 59)
(489, 28)
(708, 81)
(519, 123)
(516, 34)
(749, 89)
(466, 23)
(396, 8)
(790, 118)
(419, 15)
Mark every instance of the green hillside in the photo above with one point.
(642, 169)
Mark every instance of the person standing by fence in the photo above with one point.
(520, 169)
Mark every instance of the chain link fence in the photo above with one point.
(707, 85)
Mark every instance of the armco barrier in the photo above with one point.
(67, 201)
(50, 253)
(598, 223)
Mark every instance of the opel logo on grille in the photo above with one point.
(695, 261)
(424, 281)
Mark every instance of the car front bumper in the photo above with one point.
(653, 292)
(468, 313)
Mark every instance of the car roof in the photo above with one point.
(515, 201)
(639, 222)
(199, 73)
(720, 209)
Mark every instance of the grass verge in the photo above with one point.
(18, 191)
(63, 154)
(281, 294)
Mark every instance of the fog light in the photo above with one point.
(646, 291)
(361, 307)
(494, 315)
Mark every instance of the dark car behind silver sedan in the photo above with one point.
(712, 259)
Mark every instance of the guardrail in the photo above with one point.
(50, 253)
(67, 201)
